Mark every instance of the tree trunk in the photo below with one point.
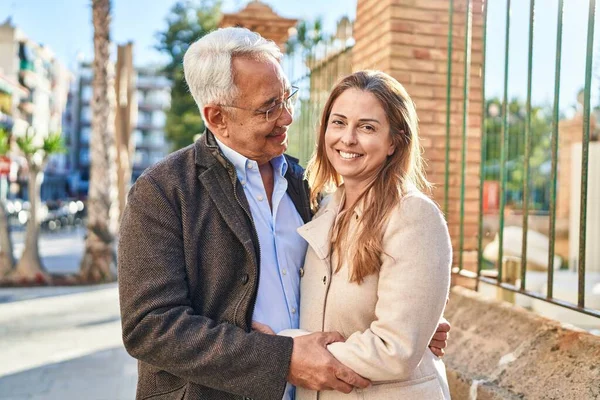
(98, 262)
(7, 260)
(30, 268)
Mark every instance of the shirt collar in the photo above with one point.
(241, 163)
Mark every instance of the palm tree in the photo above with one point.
(98, 260)
(30, 267)
(7, 261)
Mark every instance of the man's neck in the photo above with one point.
(266, 173)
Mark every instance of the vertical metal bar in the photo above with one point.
(585, 147)
(527, 150)
(463, 160)
(483, 145)
(554, 152)
(504, 144)
(448, 110)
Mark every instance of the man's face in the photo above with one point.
(261, 85)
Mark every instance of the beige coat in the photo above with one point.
(389, 319)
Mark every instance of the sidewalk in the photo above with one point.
(63, 343)
(65, 347)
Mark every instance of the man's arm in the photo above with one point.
(162, 329)
(439, 342)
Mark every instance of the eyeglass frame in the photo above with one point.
(279, 104)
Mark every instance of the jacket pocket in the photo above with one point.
(425, 388)
(174, 394)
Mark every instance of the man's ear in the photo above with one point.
(215, 119)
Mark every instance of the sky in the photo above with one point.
(65, 26)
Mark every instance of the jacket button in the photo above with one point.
(245, 278)
(325, 280)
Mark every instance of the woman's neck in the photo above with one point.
(352, 192)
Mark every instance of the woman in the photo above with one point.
(377, 269)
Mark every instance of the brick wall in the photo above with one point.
(409, 40)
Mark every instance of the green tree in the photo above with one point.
(7, 261)
(30, 267)
(540, 135)
(187, 22)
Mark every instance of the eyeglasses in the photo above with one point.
(275, 111)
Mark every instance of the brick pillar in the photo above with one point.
(409, 40)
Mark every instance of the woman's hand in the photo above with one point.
(262, 328)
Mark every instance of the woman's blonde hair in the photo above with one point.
(402, 169)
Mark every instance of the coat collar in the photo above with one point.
(209, 155)
(318, 231)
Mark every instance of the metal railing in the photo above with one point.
(314, 70)
(507, 144)
(498, 278)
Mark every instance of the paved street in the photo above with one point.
(63, 343)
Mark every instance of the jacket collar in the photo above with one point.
(318, 231)
(209, 155)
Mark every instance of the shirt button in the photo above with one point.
(243, 182)
(293, 310)
(250, 166)
(245, 278)
(284, 272)
(260, 198)
(301, 272)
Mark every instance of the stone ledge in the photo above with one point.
(501, 351)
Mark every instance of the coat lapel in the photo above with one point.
(317, 231)
(219, 184)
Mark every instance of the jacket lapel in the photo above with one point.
(219, 184)
(298, 189)
(317, 231)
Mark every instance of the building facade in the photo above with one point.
(33, 95)
(153, 96)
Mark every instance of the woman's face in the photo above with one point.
(357, 138)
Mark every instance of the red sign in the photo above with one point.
(4, 165)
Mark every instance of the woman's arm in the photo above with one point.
(413, 286)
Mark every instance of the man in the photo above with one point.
(209, 244)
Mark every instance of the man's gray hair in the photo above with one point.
(207, 63)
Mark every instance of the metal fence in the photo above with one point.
(511, 138)
(497, 275)
(314, 70)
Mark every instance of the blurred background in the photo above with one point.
(92, 93)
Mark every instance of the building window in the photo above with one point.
(84, 157)
(159, 119)
(86, 134)
(86, 94)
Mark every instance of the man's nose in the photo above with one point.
(287, 116)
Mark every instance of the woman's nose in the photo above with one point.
(349, 136)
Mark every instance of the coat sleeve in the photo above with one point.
(413, 286)
(161, 328)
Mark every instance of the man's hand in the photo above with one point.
(313, 367)
(262, 328)
(440, 339)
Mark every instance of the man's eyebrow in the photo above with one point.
(268, 102)
(287, 90)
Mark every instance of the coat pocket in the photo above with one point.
(425, 388)
(167, 387)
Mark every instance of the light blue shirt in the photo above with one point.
(282, 249)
